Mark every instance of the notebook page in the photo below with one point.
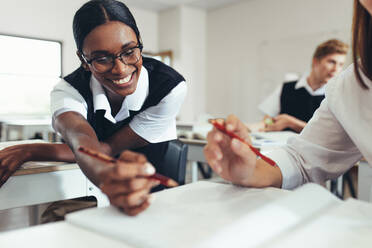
(181, 217)
(276, 218)
(348, 224)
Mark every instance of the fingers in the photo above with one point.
(242, 150)
(129, 170)
(269, 128)
(5, 177)
(213, 155)
(136, 210)
(126, 170)
(125, 187)
(131, 200)
(218, 144)
(234, 124)
(7, 167)
(129, 156)
(2, 173)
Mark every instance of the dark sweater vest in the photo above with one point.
(162, 79)
(298, 102)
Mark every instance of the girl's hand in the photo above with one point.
(230, 158)
(126, 183)
(11, 158)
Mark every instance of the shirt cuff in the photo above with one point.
(291, 174)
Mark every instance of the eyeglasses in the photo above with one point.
(106, 63)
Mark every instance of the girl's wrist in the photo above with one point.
(265, 175)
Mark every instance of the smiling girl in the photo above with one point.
(116, 100)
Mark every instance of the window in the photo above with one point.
(29, 68)
(165, 57)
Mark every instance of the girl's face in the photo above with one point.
(367, 4)
(104, 50)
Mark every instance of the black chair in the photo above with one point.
(175, 159)
(169, 159)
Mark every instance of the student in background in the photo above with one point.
(116, 100)
(292, 104)
(338, 135)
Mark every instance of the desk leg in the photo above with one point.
(340, 186)
(45, 136)
(194, 171)
(364, 182)
(3, 132)
(33, 215)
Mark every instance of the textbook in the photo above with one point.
(207, 214)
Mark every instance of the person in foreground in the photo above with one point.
(292, 104)
(116, 100)
(338, 135)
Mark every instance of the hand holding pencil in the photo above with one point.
(127, 181)
(230, 154)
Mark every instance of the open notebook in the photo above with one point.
(206, 214)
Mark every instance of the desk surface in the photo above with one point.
(56, 235)
(42, 182)
(214, 215)
(193, 141)
(38, 167)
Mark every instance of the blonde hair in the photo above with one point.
(330, 47)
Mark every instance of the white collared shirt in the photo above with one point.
(155, 124)
(271, 105)
(338, 135)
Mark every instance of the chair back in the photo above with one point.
(169, 159)
(175, 159)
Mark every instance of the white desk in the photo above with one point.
(195, 152)
(206, 214)
(25, 128)
(43, 182)
(194, 155)
(56, 235)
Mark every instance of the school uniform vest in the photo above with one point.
(298, 102)
(162, 79)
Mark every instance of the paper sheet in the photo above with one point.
(181, 217)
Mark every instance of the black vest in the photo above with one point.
(162, 79)
(298, 102)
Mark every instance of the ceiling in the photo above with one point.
(158, 5)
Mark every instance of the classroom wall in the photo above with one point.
(252, 44)
(183, 30)
(52, 19)
(231, 57)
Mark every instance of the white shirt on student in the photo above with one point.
(271, 105)
(338, 135)
(155, 124)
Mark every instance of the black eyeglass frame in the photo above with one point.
(114, 57)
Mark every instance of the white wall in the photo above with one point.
(183, 30)
(147, 22)
(52, 19)
(250, 45)
(231, 57)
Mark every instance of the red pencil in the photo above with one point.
(166, 181)
(223, 129)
